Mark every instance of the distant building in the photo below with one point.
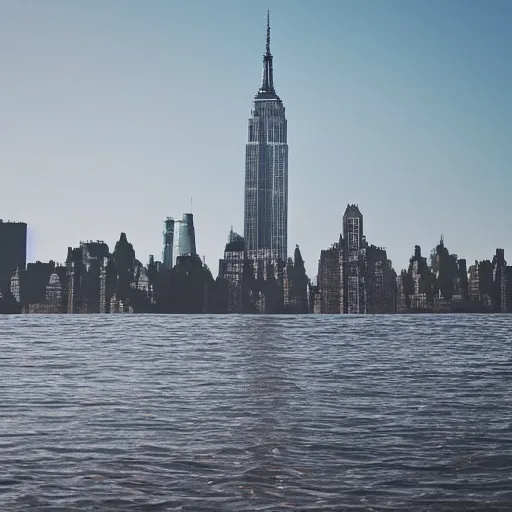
(34, 281)
(13, 251)
(184, 237)
(462, 280)
(16, 286)
(380, 281)
(168, 235)
(86, 276)
(499, 275)
(54, 295)
(473, 279)
(487, 286)
(140, 280)
(330, 280)
(353, 244)
(353, 277)
(508, 272)
(94, 258)
(401, 296)
(231, 269)
(315, 304)
(418, 267)
(262, 266)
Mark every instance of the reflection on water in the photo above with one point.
(255, 413)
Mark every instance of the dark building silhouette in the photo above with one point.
(486, 284)
(41, 288)
(168, 235)
(86, 287)
(380, 281)
(298, 282)
(416, 289)
(33, 282)
(499, 278)
(330, 279)
(445, 268)
(463, 285)
(13, 251)
(474, 284)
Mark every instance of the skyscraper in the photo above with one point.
(266, 170)
(354, 241)
(184, 236)
(168, 235)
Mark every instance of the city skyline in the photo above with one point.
(354, 277)
(431, 138)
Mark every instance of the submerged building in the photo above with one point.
(266, 171)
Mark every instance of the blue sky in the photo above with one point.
(114, 114)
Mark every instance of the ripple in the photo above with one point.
(238, 413)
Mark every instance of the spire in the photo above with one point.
(267, 82)
(268, 32)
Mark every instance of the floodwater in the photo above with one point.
(249, 413)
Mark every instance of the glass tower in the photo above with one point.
(184, 236)
(266, 171)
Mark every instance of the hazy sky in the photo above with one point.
(113, 114)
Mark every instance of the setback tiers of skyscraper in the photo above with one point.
(266, 171)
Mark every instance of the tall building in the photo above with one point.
(168, 234)
(420, 282)
(92, 286)
(86, 277)
(380, 281)
(184, 236)
(462, 279)
(486, 284)
(354, 243)
(473, 283)
(499, 275)
(266, 171)
(375, 270)
(13, 251)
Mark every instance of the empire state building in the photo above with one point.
(266, 171)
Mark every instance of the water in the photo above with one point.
(227, 413)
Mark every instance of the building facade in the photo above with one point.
(266, 170)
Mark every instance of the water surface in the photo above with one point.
(249, 413)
